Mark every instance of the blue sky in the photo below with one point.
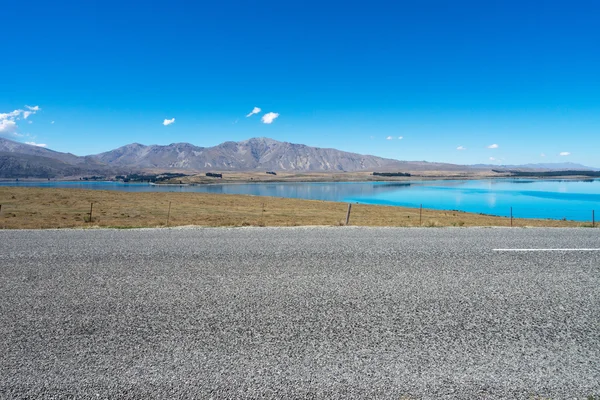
(524, 75)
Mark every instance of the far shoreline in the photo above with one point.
(235, 177)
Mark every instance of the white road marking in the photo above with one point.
(546, 249)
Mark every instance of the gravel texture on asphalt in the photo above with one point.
(299, 313)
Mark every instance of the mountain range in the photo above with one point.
(19, 160)
(563, 166)
(252, 154)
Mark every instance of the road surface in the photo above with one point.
(300, 313)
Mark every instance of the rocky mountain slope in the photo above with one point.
(252, 154)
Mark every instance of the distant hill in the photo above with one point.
(541, 166)
(14, 165)
(20, 160)
(9, 146)
(559, 166)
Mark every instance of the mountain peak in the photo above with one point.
(133, 146)
(264, 140)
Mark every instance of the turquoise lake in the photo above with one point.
(555, 199)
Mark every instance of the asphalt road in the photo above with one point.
(299, 313)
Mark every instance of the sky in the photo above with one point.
(466, 82)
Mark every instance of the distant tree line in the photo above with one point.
(391, 174)
(549, 173)
(271, 173)
(148, 177)
(214, 175)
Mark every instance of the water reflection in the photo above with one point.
(312, 191)
(491, 200)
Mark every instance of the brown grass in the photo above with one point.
(28, 208)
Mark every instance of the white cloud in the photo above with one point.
(36, 144)
(32, 110)
(255, 110)
(7, 126)
(30, 122)
(10, 115)
(461, 148)
(269, 117)
(400, 137)
(168, 121)
(542, 155)
(389, 138)
(493, 146)
(492, 159)
(564, 153)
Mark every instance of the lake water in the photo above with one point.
(556, 199)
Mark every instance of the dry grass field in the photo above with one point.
(32, 208)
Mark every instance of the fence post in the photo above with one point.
(348, 213)
(511, 218)
(91, 210)
(593, 218)
(421, 215)
(0, 208)
(169, 214)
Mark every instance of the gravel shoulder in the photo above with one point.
(299, 313)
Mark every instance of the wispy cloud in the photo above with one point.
(389, 138)
(542, 155)
(168, 121)
(255, 110)
(32, 110)
(52, 122)
(493, 146)
(400, 137)
(461, 148)
(10, 115)
(7, 126)
(269, 117)
(492, 159)
(8, 121)
(36, 144)
(564, 153)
